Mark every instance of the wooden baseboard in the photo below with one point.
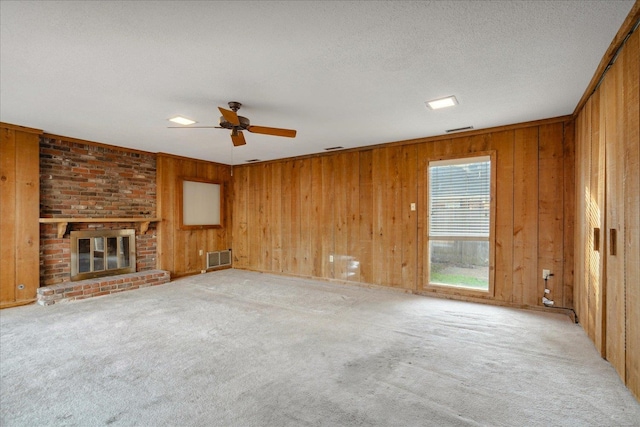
(16, 303)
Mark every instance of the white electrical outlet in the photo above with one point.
(413, 206)
(545, 274)
(200, 252)
(330, 258)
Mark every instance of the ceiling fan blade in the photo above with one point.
(289, 133)
(238, 138)
(230, 116)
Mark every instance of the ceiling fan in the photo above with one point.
(232, 121)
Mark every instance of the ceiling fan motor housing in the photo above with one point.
(244, 123)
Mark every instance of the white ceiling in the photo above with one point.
(342, 73)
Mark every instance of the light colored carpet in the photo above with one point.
(237, 348)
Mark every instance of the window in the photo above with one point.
(460, 212)
(200, 204)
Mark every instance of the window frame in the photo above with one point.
(460, 290)
(181, 203)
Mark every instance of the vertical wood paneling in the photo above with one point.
(340, 214)
(607, 159)
(239, 234)
(569, 214)
(327, 196)
(179, 250)
(307, 219)
(356, 207)
(392, 217)
(597, 294)
(8, 211)
(387, 256)
(354, 260)
(409, 220)
(551, 210)
(296, 209)
(185, 242)
(225, 233)
(525, 212)
(259, 239)
(580, 238)
(265, 245)
(591, 257)
(592, 317)
(380, 272)
(631, 132)
(275, 214)
(290, 216)
(591, 260)
(316, 225)
(27, 214)
(253, 230)
(612, 111)
(502, 143)
(165, 188)
(19, 213)
(366, 216)
(424, 153)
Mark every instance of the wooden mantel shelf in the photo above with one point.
(143, 223)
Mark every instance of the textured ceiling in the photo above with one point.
(342, 73)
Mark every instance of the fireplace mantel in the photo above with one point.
(143, 223)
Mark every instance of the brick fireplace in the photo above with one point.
(79, 182)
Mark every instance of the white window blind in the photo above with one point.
(459, 197)
(200, 203)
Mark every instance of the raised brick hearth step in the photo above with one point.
(81, 289)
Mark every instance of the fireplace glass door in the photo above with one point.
(102, 253)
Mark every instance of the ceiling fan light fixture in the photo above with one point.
(436, 104)
(182, 120)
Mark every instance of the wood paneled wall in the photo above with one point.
(179, 250)
(292, 216)
(19, 213)
(608, 183)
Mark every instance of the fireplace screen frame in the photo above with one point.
(98, 244)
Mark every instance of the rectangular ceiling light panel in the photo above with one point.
(182, 120)
(436, 104)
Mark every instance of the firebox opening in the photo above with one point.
(100, 253)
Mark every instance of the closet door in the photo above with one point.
(595, 220)
(631, 202)
(612, 111)
(589, 227)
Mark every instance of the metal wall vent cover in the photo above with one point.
(218, 258)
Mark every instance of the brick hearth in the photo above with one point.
(82, 289)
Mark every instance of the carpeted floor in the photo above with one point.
(237, 348)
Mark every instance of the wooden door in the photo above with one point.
(612, 111)
(631, 203)
(589, 243)
(19, 213)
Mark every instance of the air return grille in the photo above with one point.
(218, 258)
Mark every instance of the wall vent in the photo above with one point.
(459, 129)
(218, 258)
